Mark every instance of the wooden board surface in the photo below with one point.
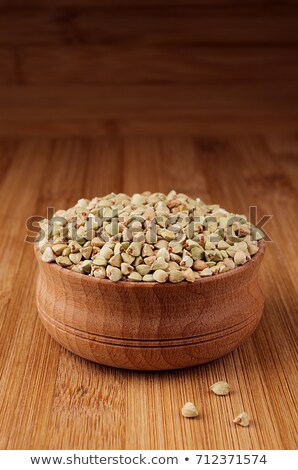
(128, 95)
(50, 398)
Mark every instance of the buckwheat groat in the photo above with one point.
(148, 237)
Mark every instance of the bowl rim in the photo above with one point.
(143, 285)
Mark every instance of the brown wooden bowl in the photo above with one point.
(150, 326)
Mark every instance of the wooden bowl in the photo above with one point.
(150, 326)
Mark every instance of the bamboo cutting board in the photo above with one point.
(50, 398)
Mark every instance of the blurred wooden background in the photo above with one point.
(125, 95)
(106, 67)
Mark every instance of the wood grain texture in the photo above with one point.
(154, 65)
(136, 67)
(146, 24)
(149, 326)
(142, 109)
(50, 398)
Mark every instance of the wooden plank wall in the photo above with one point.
(144, 67)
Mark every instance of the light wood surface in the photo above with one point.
(50, 398)
(129, 95)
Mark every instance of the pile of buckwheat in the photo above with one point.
(147, 237)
